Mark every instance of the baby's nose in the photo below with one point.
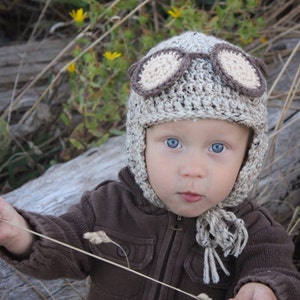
(194, 166)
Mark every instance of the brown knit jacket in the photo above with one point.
(155, 248)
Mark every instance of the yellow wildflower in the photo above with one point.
(263, 40)
(246, 41)
(111, 55)
(71, 68)
(79, 15)
(174, 12)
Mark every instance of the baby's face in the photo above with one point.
(193, 165)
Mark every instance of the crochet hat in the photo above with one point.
(195, 76)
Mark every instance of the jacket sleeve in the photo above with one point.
(268, 255)
(49, 260)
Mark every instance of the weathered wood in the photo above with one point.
(279, 187)
(27, 60)
(63, 184)
(52, 193)
(15, 285)
(22, 63)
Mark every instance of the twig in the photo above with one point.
(70, 284)
(36, 290)
(155, 15)
(23, 57)
(288, 100)
(277, 37)
(100, 237)
(284, 68)
(63, 69)
(294, 221)
(199, 297)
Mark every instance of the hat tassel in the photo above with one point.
(210, 268)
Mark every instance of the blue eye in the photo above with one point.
(217, 147)
(173, 143)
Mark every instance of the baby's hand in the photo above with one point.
(14, 239)
(255, 291)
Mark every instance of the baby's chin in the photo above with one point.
(186, 213)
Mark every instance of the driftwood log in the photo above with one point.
(22, 63)
(28, 60)
(52, 193)
(63, 184)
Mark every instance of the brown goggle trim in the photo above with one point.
(159, 71)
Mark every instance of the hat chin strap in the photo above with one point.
(213, 231)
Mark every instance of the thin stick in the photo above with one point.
(23, 58)
(55, 60)
(102, 259)
(35, 288)
(63, 69)
(294, 220)
(284, 68)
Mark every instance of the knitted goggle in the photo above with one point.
(159, 71)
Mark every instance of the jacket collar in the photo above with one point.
(127, 178)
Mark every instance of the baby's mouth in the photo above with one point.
(191, 197)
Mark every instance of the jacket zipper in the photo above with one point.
(176, 226)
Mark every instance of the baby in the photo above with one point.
(181, 211)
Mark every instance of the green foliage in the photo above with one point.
(97, 95)
(98, 78)
(233, 20)
(99, 84)
(4, 140)
(236, 19)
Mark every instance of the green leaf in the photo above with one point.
(5, 140)
(77, 144)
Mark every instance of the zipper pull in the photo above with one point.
(177, 226)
